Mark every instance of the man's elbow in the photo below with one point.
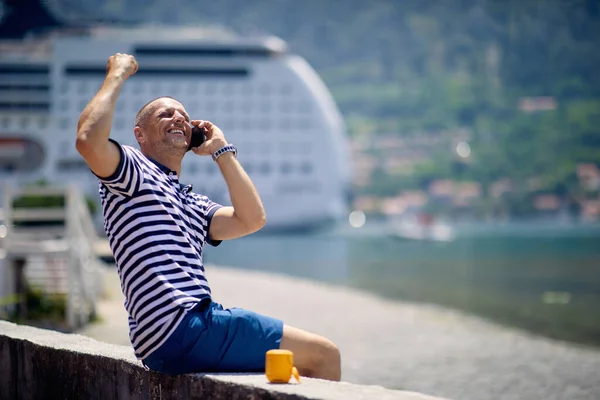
(257, 223)
(82, 144)
(262, 221)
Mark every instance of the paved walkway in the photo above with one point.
(399, 345)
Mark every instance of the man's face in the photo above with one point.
(167, 126)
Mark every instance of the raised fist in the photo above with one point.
(123, 65)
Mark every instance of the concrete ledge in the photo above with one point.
(37, 363)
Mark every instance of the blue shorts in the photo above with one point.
(213, 339)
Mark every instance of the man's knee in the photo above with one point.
(325, 359)
(328, 352)
(315, 356)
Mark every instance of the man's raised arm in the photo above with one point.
(93, 129)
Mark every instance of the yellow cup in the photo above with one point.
(279, 366)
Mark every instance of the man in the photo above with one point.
(157, 228)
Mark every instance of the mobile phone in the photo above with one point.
(198, 137)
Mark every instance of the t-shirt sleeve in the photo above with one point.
(209, 210)
(128, 177)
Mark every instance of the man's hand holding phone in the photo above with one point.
(213, 138)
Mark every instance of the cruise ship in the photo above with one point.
(269, 102)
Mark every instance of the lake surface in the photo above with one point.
(544, 278)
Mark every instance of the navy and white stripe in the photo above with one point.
(156, 228)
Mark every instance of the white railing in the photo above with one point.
(59, 259)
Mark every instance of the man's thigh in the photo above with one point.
(243, 337)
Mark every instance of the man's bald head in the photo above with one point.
(147, 109)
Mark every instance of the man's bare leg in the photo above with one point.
(314, 355)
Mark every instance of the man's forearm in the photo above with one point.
(244, 196)
(96, 119)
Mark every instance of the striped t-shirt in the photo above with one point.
(156, 228)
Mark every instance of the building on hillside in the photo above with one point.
(589, 176)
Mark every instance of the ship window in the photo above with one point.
(64, 123)
(24, 122)
(266, 148)
(306, 167)
(137, 88)
(162, 71)
(9, 105)
(42, 122)
(72, 164)
(305, 148)
(265, 106)
(265, 168)
(264, 89)
(265, 125)
(155, 88)
(247, 89)
(24, 69)
(5, 122)
(247, 106)
(137, 105)
(175, 88)
(286, 147)
(285, 107)
(285, 168)
(295, 187)
(227, 89)
(211, 169)
(303, 124)
(18, 86)
(190, 88)
(305, 107)
(211, 88)
(286, 90)
(285, 124)
(209, 52)
(211, 106)
(125, 90)
(228, 106)
(191, 107)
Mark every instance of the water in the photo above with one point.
(544, 278)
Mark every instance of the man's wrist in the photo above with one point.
(224, 157)
(118, 79)
(216, 146)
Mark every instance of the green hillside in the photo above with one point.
(414, 67)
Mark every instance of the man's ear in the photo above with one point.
(139, 134)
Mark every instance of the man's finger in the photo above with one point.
(200, 150)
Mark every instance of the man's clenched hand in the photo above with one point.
(121, 65)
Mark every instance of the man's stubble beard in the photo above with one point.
(172, 147)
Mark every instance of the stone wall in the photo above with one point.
(43, 364)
